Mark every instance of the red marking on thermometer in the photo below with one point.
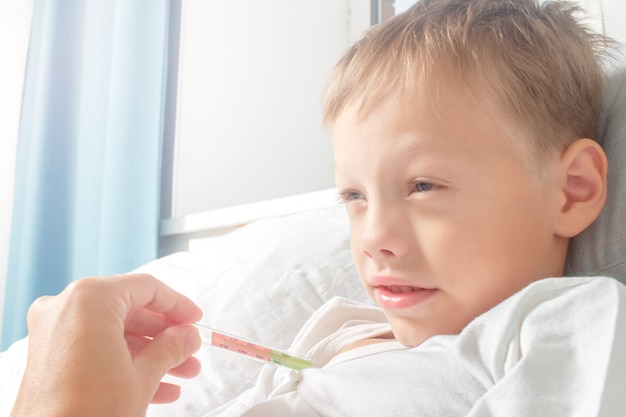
(253, 350)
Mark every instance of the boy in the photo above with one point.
(462, 137)
(457, 139)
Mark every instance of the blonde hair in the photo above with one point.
(534, 63)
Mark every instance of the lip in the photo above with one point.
(393, 293)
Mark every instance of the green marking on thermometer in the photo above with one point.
(253, 350)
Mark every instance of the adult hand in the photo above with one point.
(102, 346)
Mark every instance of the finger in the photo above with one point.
(166, 393)
(188, 369)
(136, 343)
(166, 351)
(146, 323)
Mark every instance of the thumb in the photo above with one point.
(167, 350)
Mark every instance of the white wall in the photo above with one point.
(15, 19)
(251, 79)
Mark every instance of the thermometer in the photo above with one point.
(252, 349)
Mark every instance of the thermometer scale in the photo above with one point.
(252, 349)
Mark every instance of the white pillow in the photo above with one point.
(601, 249)
(261, 282)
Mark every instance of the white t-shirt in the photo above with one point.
(556, 348)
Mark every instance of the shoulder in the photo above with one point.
(563, 293)
(551, 346)
(550, 320)
(572, 294)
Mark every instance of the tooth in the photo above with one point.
(400, 289)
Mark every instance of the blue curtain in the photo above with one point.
(87, 178)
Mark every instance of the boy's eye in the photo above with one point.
(347, 196)
(421, 187)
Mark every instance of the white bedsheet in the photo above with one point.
(557, 348)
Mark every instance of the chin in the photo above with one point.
(413, 334)
(410, 337)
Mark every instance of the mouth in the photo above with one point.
(400, 289)
(395, 297)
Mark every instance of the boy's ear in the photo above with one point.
(583, 168)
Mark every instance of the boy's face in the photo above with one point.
(448, 217)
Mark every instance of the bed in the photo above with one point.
(265, 279)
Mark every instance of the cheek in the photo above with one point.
(357, 254)
(481, 249)
(496, 263)
(476, 247)
(497, 222)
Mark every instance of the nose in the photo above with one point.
(385, 233)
